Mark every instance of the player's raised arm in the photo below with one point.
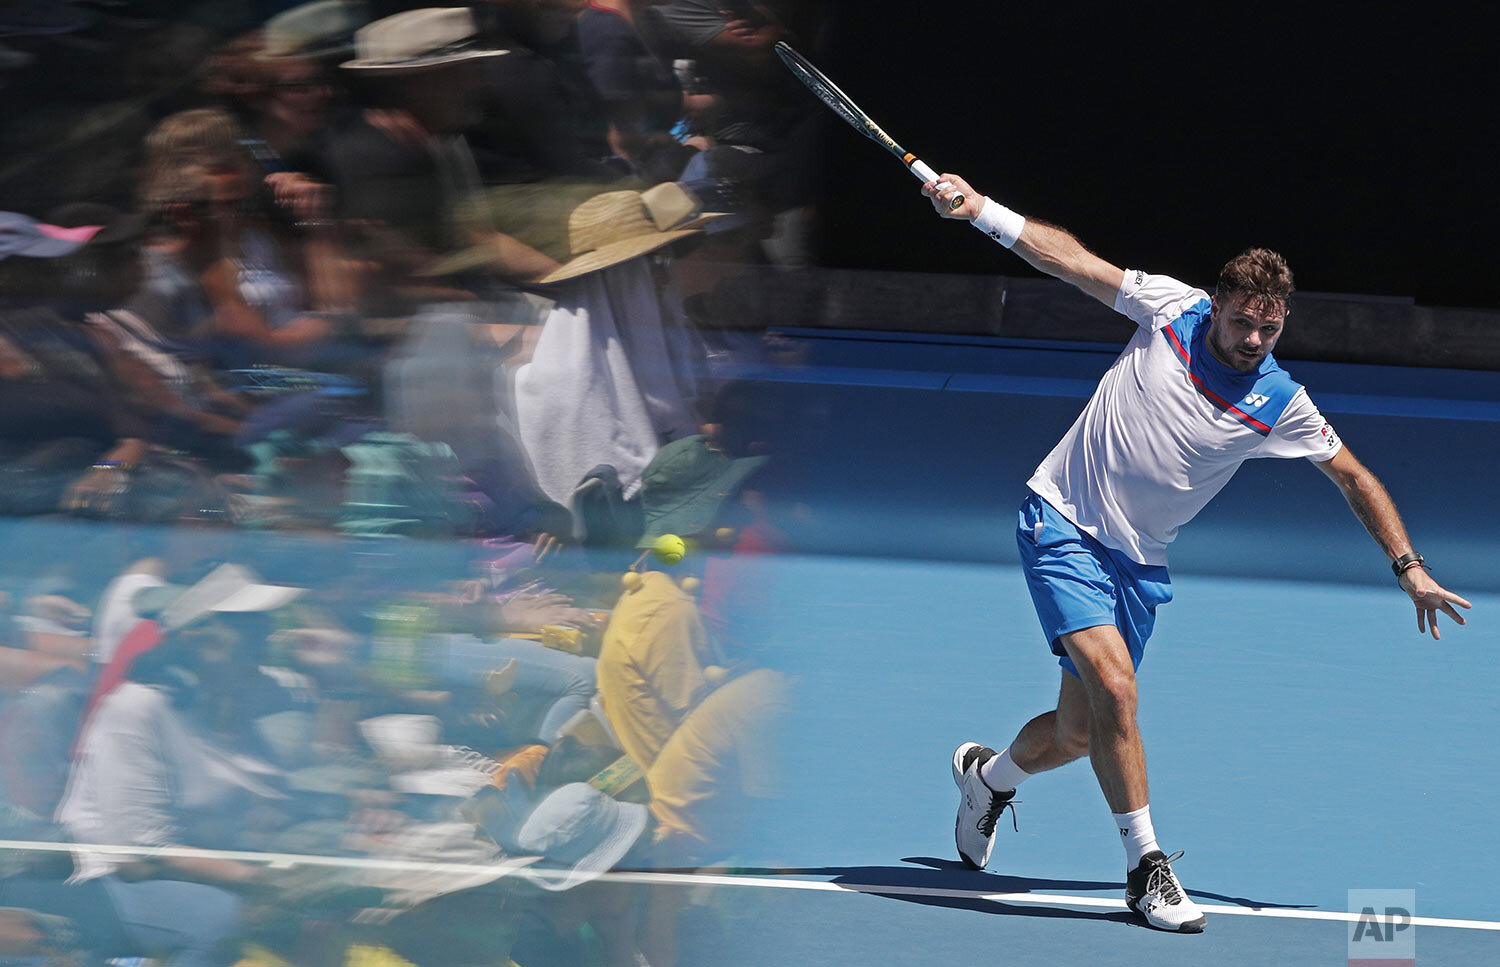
(1045, 247)
(1368, 499)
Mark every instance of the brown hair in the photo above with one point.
(1258, 274)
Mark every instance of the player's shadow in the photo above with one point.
(948, 883)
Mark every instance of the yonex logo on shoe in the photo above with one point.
(1383, 934)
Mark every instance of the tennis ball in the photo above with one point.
(691, 585)
(632, 580)
(724, 535)
(668, 548)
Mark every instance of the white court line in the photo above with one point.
(286, 860)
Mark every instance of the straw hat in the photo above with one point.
(606, 229)
(417, 40)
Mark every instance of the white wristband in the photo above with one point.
(999, 222)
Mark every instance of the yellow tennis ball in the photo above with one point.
(725, 535)
(632, 580)
(668, 548)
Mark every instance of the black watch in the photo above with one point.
(1400, 564)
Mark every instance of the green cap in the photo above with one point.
(686, 484)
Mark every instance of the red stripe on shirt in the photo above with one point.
(1215, 397)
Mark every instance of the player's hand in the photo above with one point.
(942, 191)
(1430, 597)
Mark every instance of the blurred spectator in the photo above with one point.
(719, 767)
(641, 94)
(651, 665)
(182, 405)
(219, 277)
(762, 123)
(404, 163)
(612, 372)
(67, 433)
(149, 775)
(282, 84)
(450, 381)
(730, 43)
(541, 116)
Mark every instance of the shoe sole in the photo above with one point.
(958, 780)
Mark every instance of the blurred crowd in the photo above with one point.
(369, 346)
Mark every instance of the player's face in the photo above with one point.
(1244, 330)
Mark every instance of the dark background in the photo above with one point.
(1357, 143)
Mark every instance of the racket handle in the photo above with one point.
(925, 173)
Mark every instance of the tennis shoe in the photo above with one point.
(1153, 891)
(979, 806)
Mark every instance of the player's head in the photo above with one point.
(1249, 308)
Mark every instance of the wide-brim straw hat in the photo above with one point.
(606, 229)
(418, 40)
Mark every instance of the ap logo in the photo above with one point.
(1381, 931)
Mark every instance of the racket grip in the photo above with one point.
(925, 173)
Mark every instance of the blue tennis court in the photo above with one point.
(1302, 743)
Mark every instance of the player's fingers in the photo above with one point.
(1449, 595)
(1421, 623)
(1448, 610)
(1432, 625)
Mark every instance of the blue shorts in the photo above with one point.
(1076, 582)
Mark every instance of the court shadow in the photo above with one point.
(1001, 883)
(931, 881)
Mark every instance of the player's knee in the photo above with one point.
(1113, 699)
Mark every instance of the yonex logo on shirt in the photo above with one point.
(1255, 399)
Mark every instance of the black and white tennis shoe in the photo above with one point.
(979, 806)
(1153, 891)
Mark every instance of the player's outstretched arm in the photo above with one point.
(1374, 508)
(1046, 248)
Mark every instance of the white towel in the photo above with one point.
(603, 385)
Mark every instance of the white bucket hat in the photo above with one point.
(227, 588)
(418, 39)
(576, 826)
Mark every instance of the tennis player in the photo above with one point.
(1195, 393)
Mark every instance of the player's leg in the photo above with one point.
(1053, 738)
(1108, 679)
(1108, 675)
(987, 780)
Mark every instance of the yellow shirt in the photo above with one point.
(719, 765)
(651, 665)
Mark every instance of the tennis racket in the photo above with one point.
(828, 92)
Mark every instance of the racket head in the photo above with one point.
(829, 93)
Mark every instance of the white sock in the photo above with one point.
(1137, 834)
(1002, 774)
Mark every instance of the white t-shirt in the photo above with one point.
(1169, 424)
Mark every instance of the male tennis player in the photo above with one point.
(1195, 394)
